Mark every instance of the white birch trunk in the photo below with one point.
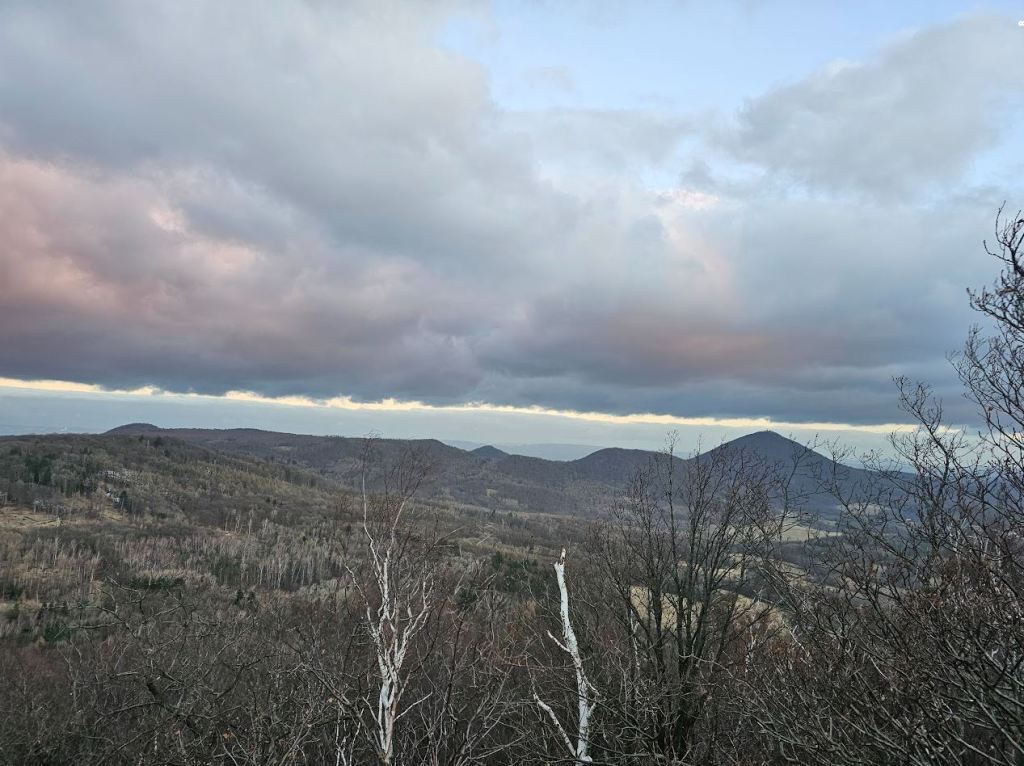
(586, 694)
(399, 617)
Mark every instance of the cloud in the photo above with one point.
(602, 140)
(105, 279)
(915, 115)
(318, 201)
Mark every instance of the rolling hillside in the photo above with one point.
(490, 478)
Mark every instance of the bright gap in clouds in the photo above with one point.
(55, 406)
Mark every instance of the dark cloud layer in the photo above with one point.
(318, 200)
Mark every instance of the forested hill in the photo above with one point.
(490, 478)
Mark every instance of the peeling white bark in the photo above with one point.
(586, 694)
(400, 615)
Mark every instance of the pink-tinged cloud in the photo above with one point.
(332, 204)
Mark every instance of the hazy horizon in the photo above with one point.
(24, 411)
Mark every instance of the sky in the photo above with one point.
(573, 222)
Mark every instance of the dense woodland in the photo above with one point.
(165, 602)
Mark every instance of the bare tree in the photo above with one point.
(682, 560)
(908, 643)
(399, 597)
(466, 689)
(578, 746)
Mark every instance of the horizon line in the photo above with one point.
(347, 403)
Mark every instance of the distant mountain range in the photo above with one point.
(490, 477)
(545, 451)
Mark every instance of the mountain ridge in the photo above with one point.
(492, 478)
